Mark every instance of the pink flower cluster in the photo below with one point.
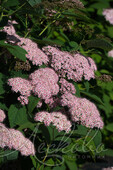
(56, 118)
(2, 115)
(82, 110)
(23, 86)
(44, 82)
(108, 14)
(9, 28)
(85, 66)
(71, 66)
(14, 139)
(34, 54)
(110, 53)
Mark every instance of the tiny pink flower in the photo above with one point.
(2, 115)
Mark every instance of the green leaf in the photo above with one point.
(96, 136)
(82, 130)
(18, 52)
(106, 152)
(17, 116)
(93, 96)
(11, 3)
(60, 37)
(110, 31)
(86, 83)
(28, 125)
(12, 115)
(79, 16)
(45, 132)
(77, 89)
(71, 165)
(3, 106)
(34, 2)
(99, 43)
(62, 167)
(100, 5)
(64, 36)
(15, 50)
(11, 155)
(74, 45)
(18, 74)
(21, 117)
(33, 160)
(91, 146)
(50, 162)
(109, 127)
(57, 108)
(33, 101)
(48, 41)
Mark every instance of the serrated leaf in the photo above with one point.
(106, 152)
(48, 41)
(28, 125)
(59, 36)
(21, 117)
(86, 83)
(14, 50)
(109, 127)
(99, 43)
(57, 108)
(79, 16)
(12, 115)
(93, 96)
(11, 155)
(34, 2)
(62, 167)
(33, 101)
(33, 160)
(96, 136)
(74, 45)
(50, 162)
(18, 74)
(3, 106)
(11, 3)
(82, 130)
(18, 52)
(77, 89)
(45, 133)
(64, 36)
(71, 165)
(91, 146)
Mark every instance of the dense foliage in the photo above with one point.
(56, 84)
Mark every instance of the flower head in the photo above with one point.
(44, 82)
(82, 110)
(56, 118)
(108, 14)
(2, 115)
(20, 85)
(71, 66)
(14, 139)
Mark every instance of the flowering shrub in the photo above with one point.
(56, 88)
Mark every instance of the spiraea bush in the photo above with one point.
(56, 88)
